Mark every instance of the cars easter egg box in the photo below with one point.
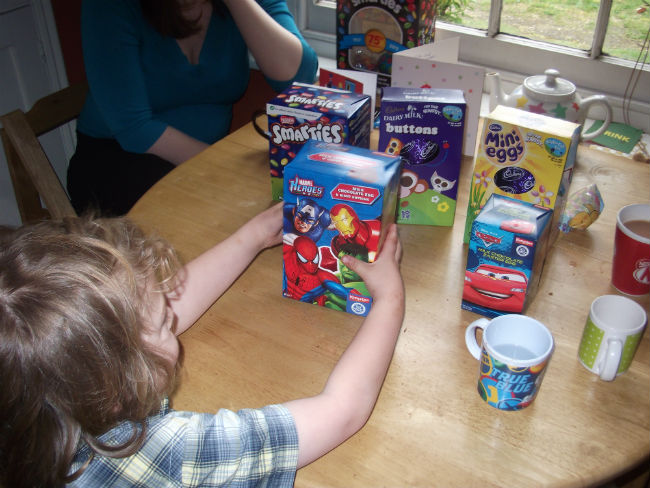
(505, 256)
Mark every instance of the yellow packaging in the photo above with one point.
(522, 155)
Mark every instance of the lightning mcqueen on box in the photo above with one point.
(505, 257)
(338, 200)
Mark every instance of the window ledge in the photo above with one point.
(607, 76)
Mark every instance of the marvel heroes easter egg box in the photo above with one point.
(304, 112)
(369, 32)
(523, 155)
(426, 128)
(338, 200)
(505, 256)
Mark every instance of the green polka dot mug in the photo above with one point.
(612, 333)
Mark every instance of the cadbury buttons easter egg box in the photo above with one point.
(368, 32)
(525, 156)
(425, 126)
(305, 112)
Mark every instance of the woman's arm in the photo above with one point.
(176, 146)
(207, 277)
(111, 37)
(346, 402)
(111, 34)
(277, 51)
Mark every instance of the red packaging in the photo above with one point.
(631, 264)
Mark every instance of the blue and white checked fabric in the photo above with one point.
(186, 449)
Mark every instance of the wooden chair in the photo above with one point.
(33, 176)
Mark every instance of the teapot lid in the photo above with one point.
(549, 87)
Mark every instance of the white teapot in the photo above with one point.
(548, 94)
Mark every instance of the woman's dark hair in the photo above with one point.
(166, 16)
(72, 358)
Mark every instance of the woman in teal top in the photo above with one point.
(163, 76)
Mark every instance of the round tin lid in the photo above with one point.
(549, 87)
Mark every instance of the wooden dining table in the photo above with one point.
(429, 427)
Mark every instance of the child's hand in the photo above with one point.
(382, 278)
(343, 407)
(267, 226)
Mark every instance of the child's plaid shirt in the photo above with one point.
(247, 448)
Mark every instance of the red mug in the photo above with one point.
(631, 265)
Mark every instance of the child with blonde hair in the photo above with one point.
(89, 314)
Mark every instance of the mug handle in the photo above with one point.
(470, 336)
(611, 360)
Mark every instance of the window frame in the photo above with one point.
(514, 57)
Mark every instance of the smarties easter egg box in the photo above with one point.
(526, 156)
(304, 112)
(505, 256)
(426, 128)
(369, 32)
(338, 200)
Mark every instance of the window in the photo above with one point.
(517, 57)
(618, 29)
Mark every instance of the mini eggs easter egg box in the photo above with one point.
(304, 112)
(338, 199)
(425, 126)
(525, 156)
(369, 32)
(505, 256)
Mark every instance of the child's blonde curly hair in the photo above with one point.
(72, 359)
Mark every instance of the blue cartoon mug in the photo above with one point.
(514, 352)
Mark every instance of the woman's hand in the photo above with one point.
(277, 51)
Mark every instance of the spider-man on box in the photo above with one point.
(337, 198)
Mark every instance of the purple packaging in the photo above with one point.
(425, 126)
(308, 112)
